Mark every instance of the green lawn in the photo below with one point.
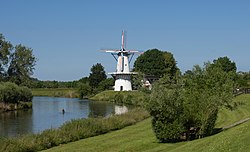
(55, 92)
(140, 137)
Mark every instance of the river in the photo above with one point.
(47, 113)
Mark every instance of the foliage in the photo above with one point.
(5, 50)
(16, 64)
(35, 83)
(155, 62)
(84, 90)
(190, 105)
(21, 65)
(166, 108)
(97, 75)
(206, 90)
(11, 93)
(243, 79)
(72, 131)
(25, 94)
(225, 64)
(136, 81)
(106, 84)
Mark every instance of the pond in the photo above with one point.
(47, 112)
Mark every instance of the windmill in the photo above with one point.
(122, 75)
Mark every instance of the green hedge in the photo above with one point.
(71, 131)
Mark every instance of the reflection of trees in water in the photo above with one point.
(120, 110)
(22, 120)
(100, 109)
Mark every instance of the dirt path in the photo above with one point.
(236, 123)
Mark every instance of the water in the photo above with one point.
(47, 113)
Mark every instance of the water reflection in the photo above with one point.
(120, 110)
(15, 122)
(97, 109)
(47, 113)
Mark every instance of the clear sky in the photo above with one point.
(66, 35)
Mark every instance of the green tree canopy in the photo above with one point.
(5, 51)
(225, 64)
(22, 63)
(16, 63)
(155, 62)
(97, 75)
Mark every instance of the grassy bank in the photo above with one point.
(72, 131)
(55, 92)
(140, 137)
(125, 97)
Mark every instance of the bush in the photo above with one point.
(84, 90)
(166, 108)
(25, 94)
(190, 105)
(11, 95)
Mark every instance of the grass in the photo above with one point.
(140, 137)
(227, 117)
(55, 92)
(125, 97)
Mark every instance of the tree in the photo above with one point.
(225, 64)
(106, 84)
(97, 75)
(22, 63)
(206, 90)
(84, 90)
(5, 51)
(155, 62)
(191, 103)
(166, 108)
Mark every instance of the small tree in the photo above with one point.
(84, 90)
(206, 90)
(192, 103)
(157, 63)
(166, 108)
(97, 75)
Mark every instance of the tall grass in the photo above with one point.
(55, 92)
(71, 131)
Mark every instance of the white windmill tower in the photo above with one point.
(122, 75)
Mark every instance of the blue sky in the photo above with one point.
(65, 35)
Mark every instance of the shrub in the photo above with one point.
(166, 108)
(25, 94)
(13, 97)
(10, 93)
(84, 90)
